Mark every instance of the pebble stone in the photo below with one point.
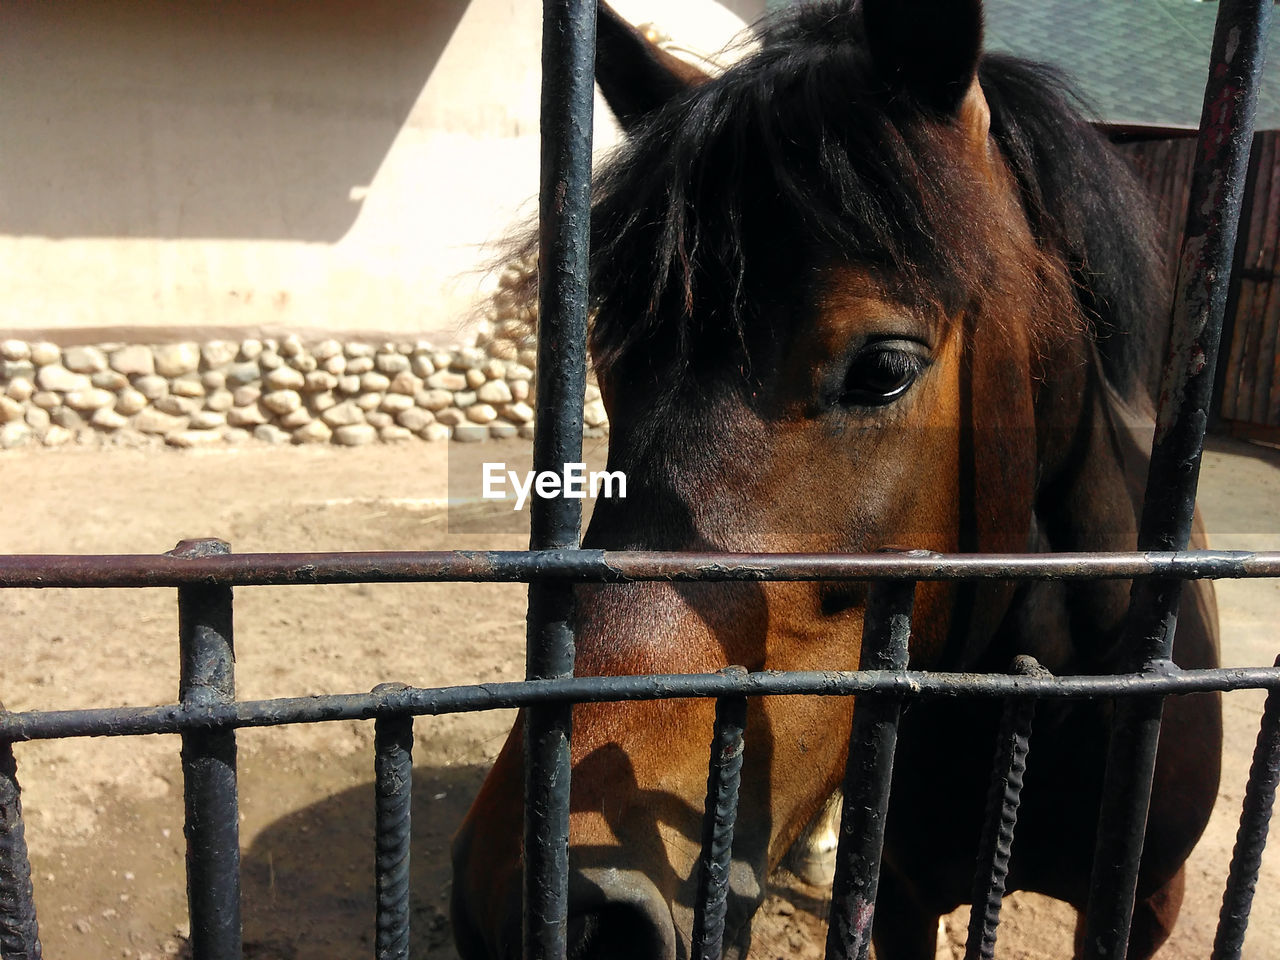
(355, 435)
(187, 385)
(295, 418)
(270, 433)
(152, 387)
(317, 431)
(90, 399)
(280, 389)
(415, 419)
(282, 401)
(135, 360)
(14, 435)
(434, 399)
(20, 389)
(175, 359)
(495, 391)
(177, 406)
(38, 419)
(56, 377)
(481, 413)
(343, 414)
(187, 439)
(43, 354)
(129, 402)
(451, 417)
(250, 415)
(11, 410)
(57, 436)
(84, 359)
(107, 419)
(207, 420)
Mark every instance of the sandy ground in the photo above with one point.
(105, 816)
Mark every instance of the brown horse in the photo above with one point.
(867, 287)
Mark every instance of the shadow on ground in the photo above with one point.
(308, 879)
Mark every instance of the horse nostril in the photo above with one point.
(618, 932)
(618, 914)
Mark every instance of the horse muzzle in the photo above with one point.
(613, 913)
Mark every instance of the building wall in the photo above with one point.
(274, 166)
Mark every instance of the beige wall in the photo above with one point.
(274, 164)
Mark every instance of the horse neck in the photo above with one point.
(1094, 446)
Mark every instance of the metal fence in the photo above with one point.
(205, 572)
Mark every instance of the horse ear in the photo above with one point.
(635, 75)
(929, 48)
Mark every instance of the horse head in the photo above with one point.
(836, 310)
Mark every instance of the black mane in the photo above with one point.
(725, 202)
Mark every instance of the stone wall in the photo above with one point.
(271, 391)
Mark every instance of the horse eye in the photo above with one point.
(880, 375)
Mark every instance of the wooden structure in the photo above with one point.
(1248, 390)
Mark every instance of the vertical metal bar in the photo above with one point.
(19, 936)
(568, 90)
(1213, 213)
(724, 774)
(209, 765)
(1255, 817)
(886, 630)
(393, 797)
(1013, 743)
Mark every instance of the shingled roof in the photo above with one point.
(1138, 62)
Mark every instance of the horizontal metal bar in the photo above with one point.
(516, 566)
(433, 701)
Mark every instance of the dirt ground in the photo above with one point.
(105, 816)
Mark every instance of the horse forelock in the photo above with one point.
(717, 220)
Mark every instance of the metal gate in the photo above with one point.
(204, 574)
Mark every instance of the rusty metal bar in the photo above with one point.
(568, 95)
(886, 631)
(603, 566)
(393, 797)
(436, 701)
(1204, 270)
(19, 934)
(1013, 743)
(724, 774)
(209, 765)
(1255, 818)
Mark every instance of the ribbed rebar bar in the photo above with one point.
(1251, 838)
(1013, 743)
(724, 774)
(393, 796)
(210, 794)
(19, 934)
(1186, 395)
(564, 215)
(886, 630)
